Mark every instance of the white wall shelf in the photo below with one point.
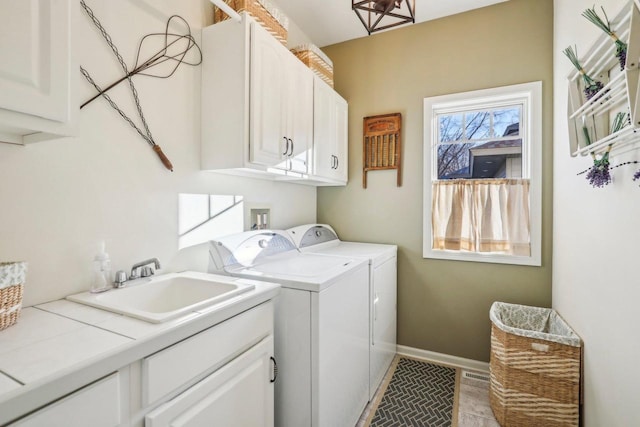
(619, 94)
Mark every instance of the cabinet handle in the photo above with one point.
(334, 162)
(286, 142)
(291, 142)
(275, 370)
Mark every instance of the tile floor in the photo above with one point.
(473, 405)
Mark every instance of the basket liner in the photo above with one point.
(533, 322)
(12, 273)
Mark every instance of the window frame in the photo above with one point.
(530, 130)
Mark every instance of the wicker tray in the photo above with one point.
(12, 276)
(316, 60)
(267, 15)
(534, 381)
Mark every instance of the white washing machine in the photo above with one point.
(383, 278)
(321, 325)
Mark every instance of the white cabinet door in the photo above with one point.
(257, 103)
(323, 140)
(35, 49)
(330, 149)
(268, 142)
(299, 114)
(164, 372)
(97, 405)
(36, 93)
(341, 146)
(237, 395)
(281, 105)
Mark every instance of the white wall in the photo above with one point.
(58, 199)
(596, 286)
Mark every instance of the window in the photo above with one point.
(482, 175)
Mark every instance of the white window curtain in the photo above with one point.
(482, 216)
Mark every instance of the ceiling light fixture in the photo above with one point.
(384, 14)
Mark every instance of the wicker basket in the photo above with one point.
(315, 59)
(274, 21)
(535, 380)
(12, 276)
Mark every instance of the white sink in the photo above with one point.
(165, 297)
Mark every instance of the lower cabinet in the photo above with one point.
(218, 377)
(171, 370)
(238, 394)
(96, 405)
(221, 376)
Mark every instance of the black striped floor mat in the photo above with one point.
(419, 394)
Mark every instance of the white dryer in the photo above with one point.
(321, 325)
(382, 259)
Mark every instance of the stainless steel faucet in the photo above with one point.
(145, 271)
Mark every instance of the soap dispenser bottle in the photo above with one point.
(101, 274)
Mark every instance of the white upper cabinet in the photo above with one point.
(281, 102)
(268, 92)
(330, 135)
(257, 101)
(300, 115)
(35, 70)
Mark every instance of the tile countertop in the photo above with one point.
(58, 347)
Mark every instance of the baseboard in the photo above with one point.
(445, 359)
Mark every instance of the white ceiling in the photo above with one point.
(327, 22)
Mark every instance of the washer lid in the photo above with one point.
(304, 265)
(306, 271)
(376, 253)
(249, 248)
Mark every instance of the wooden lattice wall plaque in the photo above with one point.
(382, 146)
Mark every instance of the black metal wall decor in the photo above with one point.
(384, 14)
(172, 53)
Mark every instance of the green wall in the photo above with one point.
(443, 306)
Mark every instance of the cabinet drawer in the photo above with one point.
(174, 366)
(96, 405)
(238, 394)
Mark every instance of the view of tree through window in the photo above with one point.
(482, 175)
(480, 144)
